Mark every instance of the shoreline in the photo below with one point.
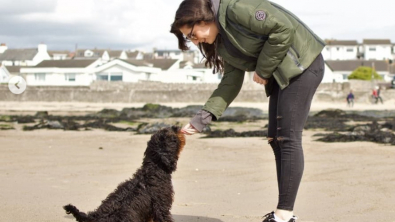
(84, 107)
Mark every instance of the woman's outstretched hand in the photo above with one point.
(189, 130)
(259, 80)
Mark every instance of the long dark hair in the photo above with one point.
(191, 12)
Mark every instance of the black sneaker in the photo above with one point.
(270, 218)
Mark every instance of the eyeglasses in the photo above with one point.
(191, 36)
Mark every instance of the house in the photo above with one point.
(126, 71)
(103, 54)
(330, 75)
(91, 54)
(23, 57)
(135, 55)
(82, 72)
(16, 70)
(60, 55)
(376, 49)
(4, 74)
(340, 50)
(61, 72)
(346, 67)
(117, 54)
(190, 55)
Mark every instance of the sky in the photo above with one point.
(145, 24)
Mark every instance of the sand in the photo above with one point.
(227, 179)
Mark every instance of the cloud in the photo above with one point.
(9, 7)
(139, 24)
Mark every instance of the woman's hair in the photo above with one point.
(191, 12)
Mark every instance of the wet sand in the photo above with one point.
(227, 179)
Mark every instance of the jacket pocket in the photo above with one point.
(288, 68)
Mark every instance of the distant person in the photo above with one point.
(378, 97)
(374, 96)
(350, 99)
(285, 55)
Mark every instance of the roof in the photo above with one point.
(342, 42)
(351, 65)
(96, 52)
(377, 42)
(51, 53)
(132, 55)
(200, 66)
(18, 54)
(65, 63)
(163, 64)
(16, 69)
(114, 53)
(137, 62)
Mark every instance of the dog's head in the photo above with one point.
(164, 148)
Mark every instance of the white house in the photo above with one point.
(83, 72)
(126, 71)
(135, 55)
(330, 75)
(104, 54)
(346, 67)
(91, 54)
(340, 50)
(4, 74)
(376, 49)
(190, 55)
(61, 72)
(59, 55)
(177, 71)
(23, 57)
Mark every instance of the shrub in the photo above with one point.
(364, 73)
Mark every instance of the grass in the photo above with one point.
(6, 127)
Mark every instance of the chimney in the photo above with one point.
(3, 47)
(42, 48)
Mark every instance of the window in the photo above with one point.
(111, 77)
(337, 48)
(147, 76)
(350, 50)
(114, 78)
(39, 77)
(345, 76)
(372, 49)
(88, 53)
(70, 77)
(102, 76)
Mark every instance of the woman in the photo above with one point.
(260, 36)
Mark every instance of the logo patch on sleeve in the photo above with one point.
(260, 15)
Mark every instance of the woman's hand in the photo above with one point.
(259, 80)
(189, 130)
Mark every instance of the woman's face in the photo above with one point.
(201, 32)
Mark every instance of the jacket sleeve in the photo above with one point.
(226, 92)
(267, 20)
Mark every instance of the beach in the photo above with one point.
(217, 179)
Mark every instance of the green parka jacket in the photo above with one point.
(282, 45)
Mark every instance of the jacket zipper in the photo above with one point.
(296, 51)
(297, 19)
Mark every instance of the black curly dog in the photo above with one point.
(147, 196)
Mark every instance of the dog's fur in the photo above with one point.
(148, 196)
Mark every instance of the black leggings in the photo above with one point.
(288, 112)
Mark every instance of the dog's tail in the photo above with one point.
(79, 216)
